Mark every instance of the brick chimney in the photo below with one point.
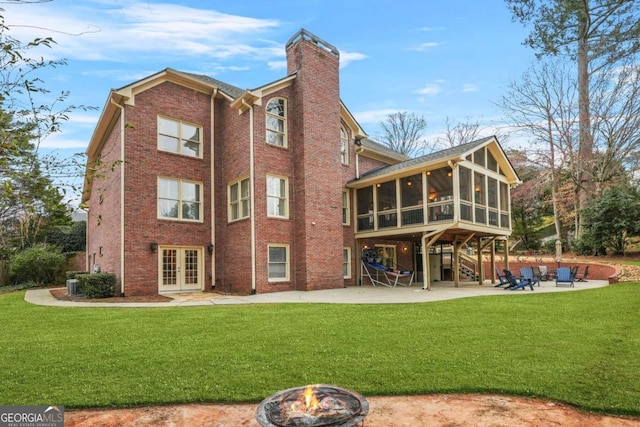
(315, 139)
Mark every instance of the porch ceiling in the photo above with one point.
(452, 234)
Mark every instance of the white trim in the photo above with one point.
(180, 151)
(284, 196)
(239, 182)
(180, 251)
(349, 263)
(252, 198)
(180, 182)
(346, 199)
(212, 200)
(122, 199)
(267, 114)
(287, 263)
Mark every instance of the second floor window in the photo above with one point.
(239, 200)
(277, 200)
(276, 122)
(179, 137)
(178, 199)
(344, 152)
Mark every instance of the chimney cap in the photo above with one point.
(306, 35)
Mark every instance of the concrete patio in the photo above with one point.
(351, 295)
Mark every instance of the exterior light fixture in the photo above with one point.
(153, 246)
(210, 248)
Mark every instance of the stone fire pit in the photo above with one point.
(313, 406)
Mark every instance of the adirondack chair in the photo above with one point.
(502, 279)
(582, 277)
(515, 283)
(574, 271)
(537, 273)
(564, 277)
(527, 275)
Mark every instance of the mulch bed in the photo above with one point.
(61, 294)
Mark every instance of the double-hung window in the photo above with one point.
(346, 263)
(346, 208)
(276, 120)
(179, 137)
(179, 199)
(344, 147)
(277, 197)
(239, 200)
(278, 262)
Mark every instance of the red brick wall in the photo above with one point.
(145, 163)
(317, 193)
(103, 216)
(233, 239)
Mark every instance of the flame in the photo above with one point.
(308, 402)
(311, 402)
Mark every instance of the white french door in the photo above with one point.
(180, 269)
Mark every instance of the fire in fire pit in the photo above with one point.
(313, 406)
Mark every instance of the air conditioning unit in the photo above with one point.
(72, 287)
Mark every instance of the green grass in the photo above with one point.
(580, 347)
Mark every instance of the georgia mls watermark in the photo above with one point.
(31, 416)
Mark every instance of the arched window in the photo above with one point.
(344, 144)
(276, 119)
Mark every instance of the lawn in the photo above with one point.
(578, 347)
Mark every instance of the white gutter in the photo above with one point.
(212, 195)
(122, 124)
(252, 199)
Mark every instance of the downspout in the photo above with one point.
(358, 151)
(212, 190)
(122, 126)
(252, 199)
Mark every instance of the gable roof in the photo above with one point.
(230, 90)
(456, 153)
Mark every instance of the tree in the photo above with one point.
(460, 133)
(541, 105)
(29, 201)
(403, 132)
(611, 218)
(595, 33)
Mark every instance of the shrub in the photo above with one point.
(98, 285)
(41, 264)
(73, 274)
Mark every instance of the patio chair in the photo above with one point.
(501, 278)
(544, 273)
(515, 283)
(524, 281)
(582, 277)
(564, 277)
(574, 271)
(537, 274)
(528, 275)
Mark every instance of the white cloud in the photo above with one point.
(429, 29)
(425, 46)
(374, 116)
(277, 65)
(470, 87)
(347, 57)
(60, 142)
(130, 31)
(430, 89)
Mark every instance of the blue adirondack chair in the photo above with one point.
(528, 274)
(524, 281)
(564, 276)
(502, 279)
(514, 283)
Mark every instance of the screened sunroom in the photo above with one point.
(456, 195)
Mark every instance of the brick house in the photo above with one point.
(195, 185)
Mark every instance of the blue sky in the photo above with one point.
(436, 58)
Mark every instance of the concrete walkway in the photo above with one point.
(352, 295)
